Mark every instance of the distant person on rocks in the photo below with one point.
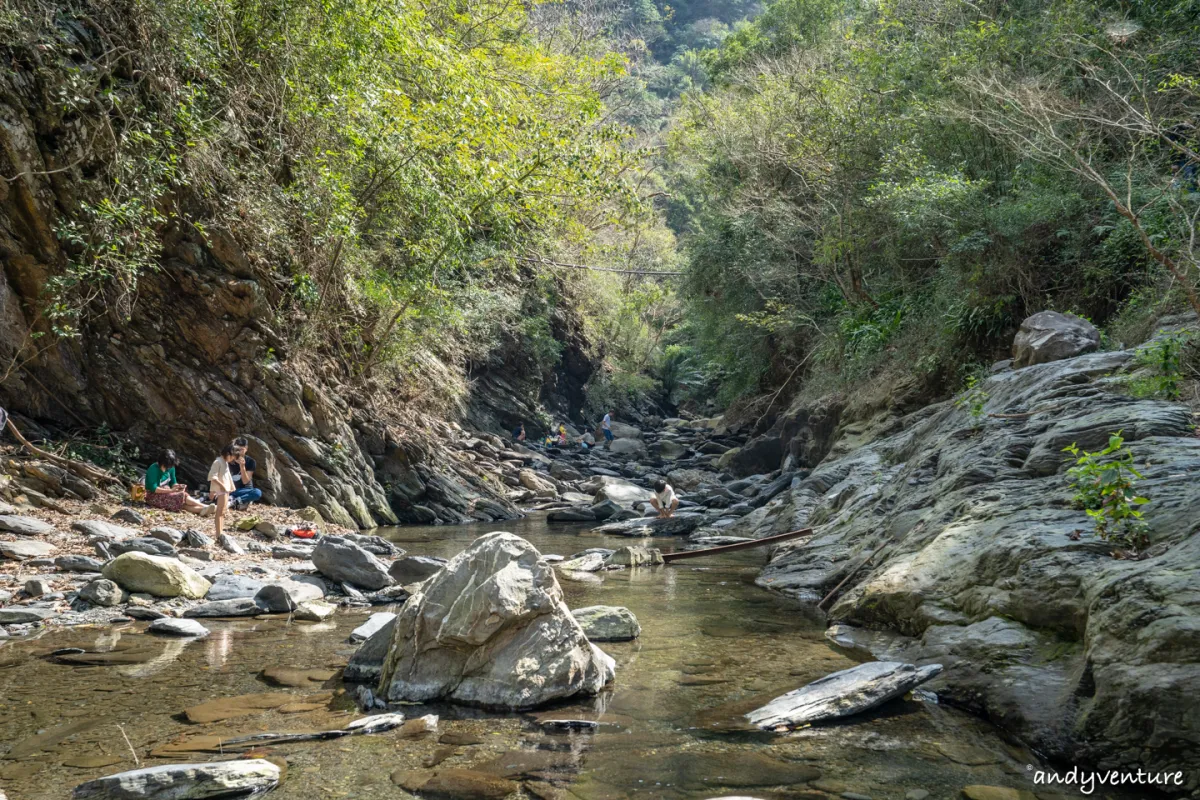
(519, 433)
(242, 469)
(165, 492)
(606, 426)
(562, 435)
(220, 484)
(664, 499)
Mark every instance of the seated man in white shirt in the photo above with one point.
(664, 499)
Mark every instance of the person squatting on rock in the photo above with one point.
(242, 469)
(165, 492)
(664, 499)
(220, 484)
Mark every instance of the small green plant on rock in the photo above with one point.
(1103, 482)
(1164, 359)
(973, 399)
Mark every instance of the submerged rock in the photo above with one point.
(608, 623)
(184, 781)
(492, 629)
(841, 694)
(156, 575)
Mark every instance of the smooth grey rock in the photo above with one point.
(102, 592)
(141, 544)
(21, 615)
(280, 597)
(587, 562)
(621, 492)
(36, 587)
(605, 509)
(627, 447)
(850, 691)
(233, 607)
(170, 626)
(230, 586)
(564, 472)
(491, 629)
(230, 545)
(372, 626)
(1052, 336)
(142, 612)
(608, 623)
(104, 531)
(184, 781)
(366, 664)
(291, 551)
(172, 536)
(343, 561)
(129, 515)
(314, 611)
(413, 569)
(73, 563)
(24, 549)
(24, 526)
(668, 450)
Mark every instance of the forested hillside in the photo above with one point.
(506, 213)
(874, 189)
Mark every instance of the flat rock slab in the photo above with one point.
(23, 550)
(237, 607)
(20, 615)
(105, 531)
(679, 525)
(229, 587)
(373, 625)
(24, 526)
(170, 626)
(184, 781)
(850, 691)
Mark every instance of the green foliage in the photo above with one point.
(1103, 483)
(973, 399)
(1163, 359)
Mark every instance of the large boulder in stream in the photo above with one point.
(1052, 336)
(841, 694)
(491, 629)
(608, 623)
(184, 781)
(620, 491)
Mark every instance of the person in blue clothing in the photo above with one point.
(242, 468)
(519, 433)
(606, 426)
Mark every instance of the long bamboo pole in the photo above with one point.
(730, 548)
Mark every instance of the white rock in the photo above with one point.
(183, 781)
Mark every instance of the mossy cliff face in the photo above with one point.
(982, 564)
(193, 357)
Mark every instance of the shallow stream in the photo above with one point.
(713, 646)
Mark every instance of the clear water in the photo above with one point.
(713, 646)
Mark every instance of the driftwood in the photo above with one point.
(82, 470)
(729, 548)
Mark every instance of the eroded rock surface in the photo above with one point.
(492, 629)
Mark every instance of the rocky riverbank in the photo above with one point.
(953, 540)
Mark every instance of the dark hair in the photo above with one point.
(167, 459)
(241, 442)
(227, 450)
(660, 485)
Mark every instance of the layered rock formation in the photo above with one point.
(958, 543)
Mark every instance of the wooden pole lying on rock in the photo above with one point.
(729, 548)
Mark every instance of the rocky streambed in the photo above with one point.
(712, 646)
